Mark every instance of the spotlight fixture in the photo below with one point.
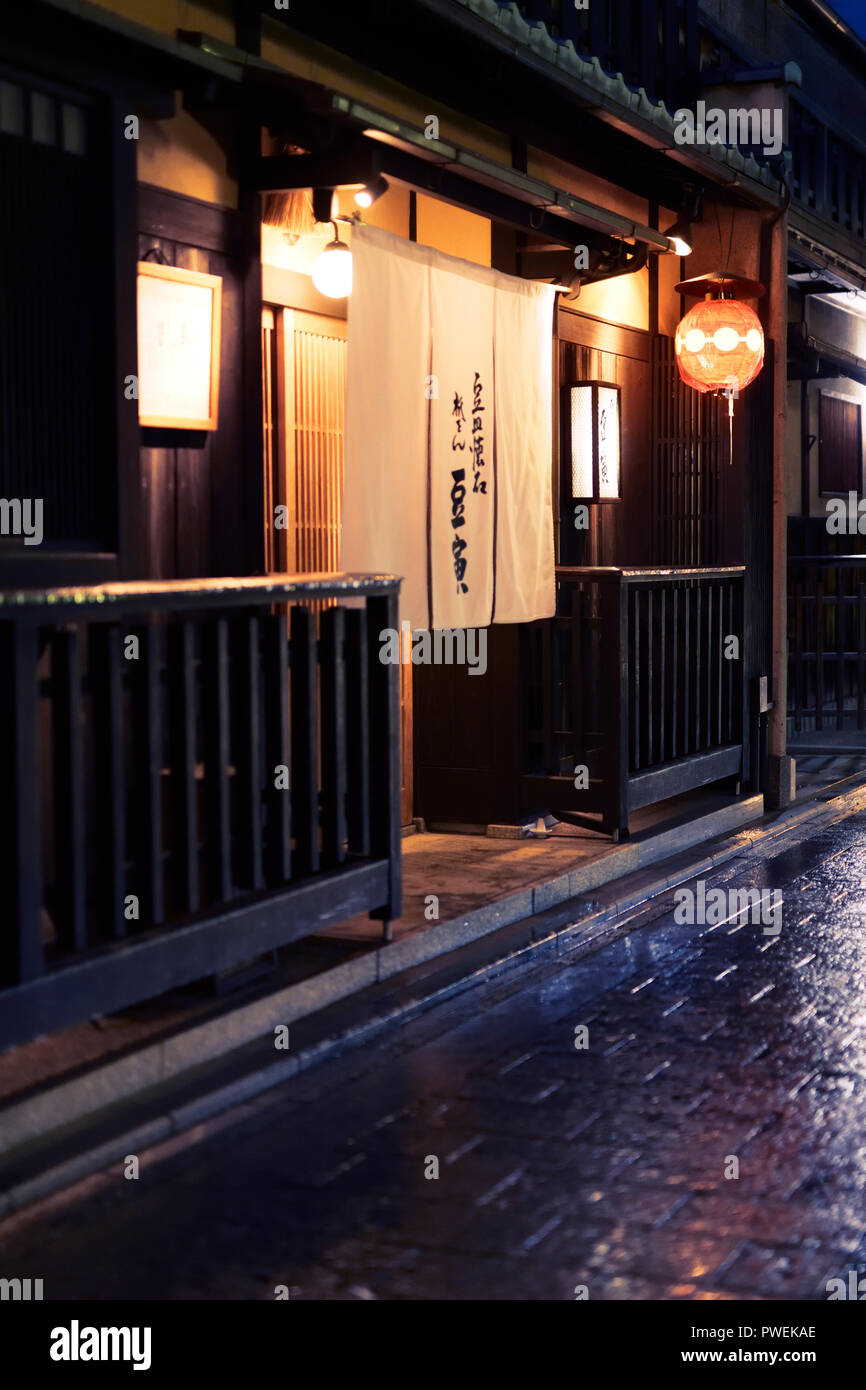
(365, 197)
(680, 232)
(680, 237)
(332, 270)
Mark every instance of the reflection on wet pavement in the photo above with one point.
(709, 1141)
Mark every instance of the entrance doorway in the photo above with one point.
(304, 400)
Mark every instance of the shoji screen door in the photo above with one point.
(310, 386)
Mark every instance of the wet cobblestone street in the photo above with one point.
(557, 1166)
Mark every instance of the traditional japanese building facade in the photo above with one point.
(217, 141)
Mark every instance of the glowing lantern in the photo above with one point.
(593, 440)
(719, 346)
(332, 270)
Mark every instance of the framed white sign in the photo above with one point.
(179, 314)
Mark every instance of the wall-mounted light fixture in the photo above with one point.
(680, 232)
(332, 269)
(592, 441)
(680, 237)
(366, 196)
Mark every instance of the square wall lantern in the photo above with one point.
(591, 441)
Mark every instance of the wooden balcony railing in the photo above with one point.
(194, 774)
(827, 642)
(637, 680)
(829, 173)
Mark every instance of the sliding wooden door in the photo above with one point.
(309, 417)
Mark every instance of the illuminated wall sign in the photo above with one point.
(592, 441)
(179, 314)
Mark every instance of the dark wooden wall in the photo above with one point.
(57, 382)
(466, 737)
(201, 491)
(620, 533)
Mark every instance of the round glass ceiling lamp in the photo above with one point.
(332, 270)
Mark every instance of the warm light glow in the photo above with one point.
(595, 441)
(719, 344)
(726, 339)
(681, 247)
(366, 197)
(332, 271)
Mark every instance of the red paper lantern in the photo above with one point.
(719, 346)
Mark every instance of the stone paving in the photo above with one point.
(559, 1168)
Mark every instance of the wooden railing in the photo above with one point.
(639, 680)
(827, 642)
(655, 44)
(829, 173)
(194, 774)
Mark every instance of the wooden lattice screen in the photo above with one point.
(689, 450)
(314, 391)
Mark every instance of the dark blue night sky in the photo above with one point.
(854, 13)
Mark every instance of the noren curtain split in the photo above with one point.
(448, 435)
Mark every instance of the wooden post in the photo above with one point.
(615, 682)
(840, 649)
(278, 800)
(106, 682)
(124, 249)
(334, 758)
(861, 649)
(304, 741)
(358, 732)
(69, 788)
(385, 831)
(21, 938)
(819, 651)
(182, 736)
(745, 731)
(217, 757)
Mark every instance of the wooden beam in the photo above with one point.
(670, 779)
(161, 960)
(356, 162)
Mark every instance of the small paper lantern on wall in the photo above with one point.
(592, 441)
